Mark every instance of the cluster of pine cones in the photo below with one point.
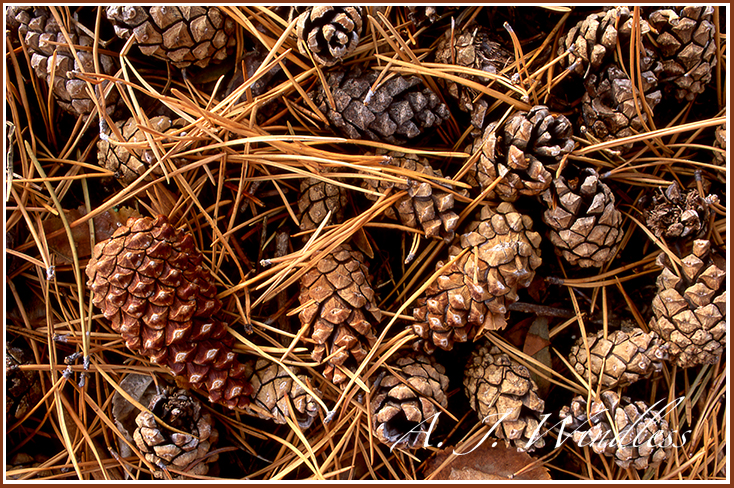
(502, 224)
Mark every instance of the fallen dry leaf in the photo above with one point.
(486, 463)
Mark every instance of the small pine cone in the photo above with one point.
(471, 47)
(330, 32)
(274, 390)
(520, 150)
(500, 390)
(472, 294)
(422, 15)
(129, 163)
(720, 143)
(593, 40)
(183, 35)
(407, 394)
(685, 39)
(22, 388)
(339, 311)
(624, 357)
(608, 106)
(317, 198)
(149, 282)
(675, 214)
(645, 439)
(43, 37)
(399, 109)
(424, 206)
(585, 225)
(163, 447)
(690, 310)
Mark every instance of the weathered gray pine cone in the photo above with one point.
(317, 198)
(471, 47)
(406, 399)
(424, 207)
(643, 432)
(400, 109)
(184, 35)
(675, 214)
(501, 391)
(690, 309)
(165, 448)
(585, 225)
(330, 32)
(520, 150)
(623, 358)
(471, 295)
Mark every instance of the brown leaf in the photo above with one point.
(537, 345)
(516, 334)
(486, 463)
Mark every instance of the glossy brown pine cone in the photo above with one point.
(424, 207)
(339, 311)
(406, 400)
(501, 391)
(183, 35)
(317, 199)
(330, 32)
(163, 447)
(623, 358)
(129, 163)
(675, 214)
(471, 295)
(520, 150)
(690, 309)
(149, 283)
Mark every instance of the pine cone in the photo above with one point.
(163, 447)
(398, 110)
(642, 431)
(183, 35)
(130, 163)
(470, 296)
(330, 32)
(339, 311)
(690, 310)
(406, 397)
(422, 15)
(22, 388)
(623, 358)
(585, 225)
(471, 47)
(43, 36)
(608, 106)
(720, 143)
(595, 38)
(317, 198)
(675, 214)
(520, 151)
(500, 390)
(149, 282)
(423, 207)
(274, 390)
(685, 40)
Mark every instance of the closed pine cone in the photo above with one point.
(624, 357)
(330, 32)
(43, 37)
(642, 431)
(501, 391)
(407, 395)
(520, 150)
(675, 213)
(399, 109)
(585, 225)
(471, 295)
(424, 207)
(340, 311)
(163, 447)
(274, 390)
(471, 47)
(690, 309)
(183, 35)
(317, 199)
(129, 163)
(685, 38)
(149, 283)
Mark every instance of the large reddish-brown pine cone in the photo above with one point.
(149, 282)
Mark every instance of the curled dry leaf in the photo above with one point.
(486, 463)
